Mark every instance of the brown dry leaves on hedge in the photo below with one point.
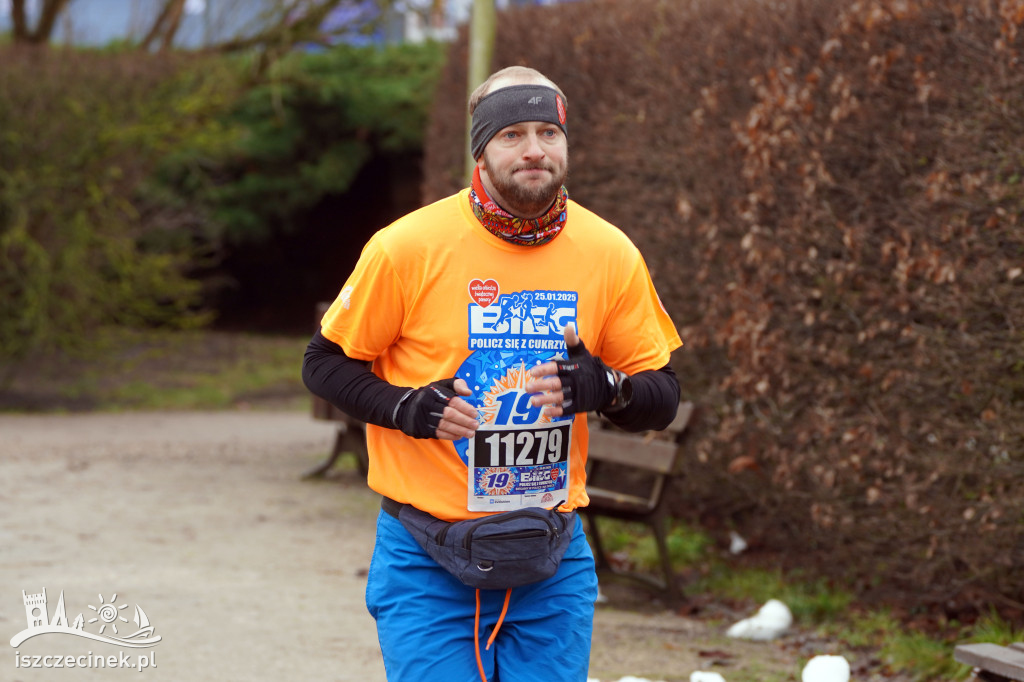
(829, 196)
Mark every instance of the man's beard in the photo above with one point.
(527, 201)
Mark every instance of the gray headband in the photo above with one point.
(514, 104)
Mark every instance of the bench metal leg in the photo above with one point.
(321, 469)
(600, 559)
(657, 524)
(356, 439)
(348, 438)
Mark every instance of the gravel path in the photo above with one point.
(245, 571)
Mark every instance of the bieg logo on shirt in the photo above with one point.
(522, 320)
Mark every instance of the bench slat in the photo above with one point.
(610, 446)
(682, 420)
(1005, 661)
(603, 499)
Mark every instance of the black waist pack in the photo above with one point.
(494, 552)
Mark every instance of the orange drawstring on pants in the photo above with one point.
(494, 633)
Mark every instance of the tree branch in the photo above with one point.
(286, 27)
(51, 10)
(174, 22)
(158, 24)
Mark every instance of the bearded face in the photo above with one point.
(528, 190)
(526, 166)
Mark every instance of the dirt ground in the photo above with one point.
(246, 571)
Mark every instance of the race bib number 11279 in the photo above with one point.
(515, 467)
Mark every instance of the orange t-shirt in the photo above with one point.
(434, 295)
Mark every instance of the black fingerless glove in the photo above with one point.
(587, 383)
(419, 412)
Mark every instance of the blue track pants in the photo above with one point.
(425, 617)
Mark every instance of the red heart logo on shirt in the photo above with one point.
(483, 292)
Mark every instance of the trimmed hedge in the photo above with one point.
(829, 196)
(126, 178)
(78, 133)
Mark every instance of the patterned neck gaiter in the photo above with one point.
(521, 231)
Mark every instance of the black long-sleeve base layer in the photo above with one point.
(352, 387)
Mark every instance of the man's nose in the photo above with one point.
(533, 148)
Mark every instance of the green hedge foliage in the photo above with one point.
(303, 131)
(78, 132)
(123, 175)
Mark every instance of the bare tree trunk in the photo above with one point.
(166, 25)
(174, 22)
(44, 29)
(51, 10)
(482, 29)
(20, 25)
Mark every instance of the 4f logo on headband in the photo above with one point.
(560, 106)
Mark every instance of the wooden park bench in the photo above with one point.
(992, 662)
(627, 474)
